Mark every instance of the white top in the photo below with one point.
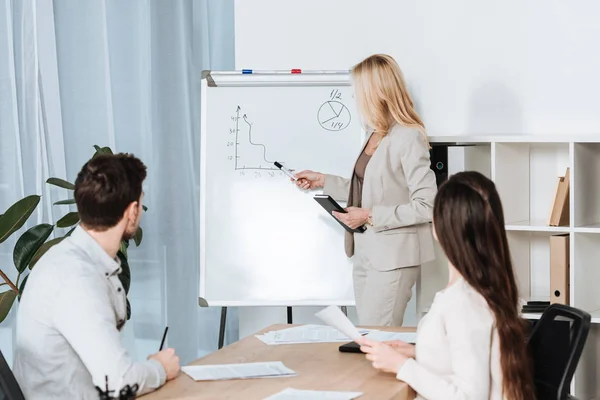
(68, 326)
(457, 350)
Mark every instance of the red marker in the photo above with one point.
(296, 71)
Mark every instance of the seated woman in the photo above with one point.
(471, 344)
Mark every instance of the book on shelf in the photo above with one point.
(559, 215)
(535, 307)
(559, 269)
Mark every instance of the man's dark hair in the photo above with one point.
(105, 187)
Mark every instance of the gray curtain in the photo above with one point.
(124, 74)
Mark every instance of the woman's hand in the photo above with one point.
(383, 356)
(402, 347)
(309, 180)
(354, 216)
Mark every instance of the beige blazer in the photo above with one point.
(399, 187)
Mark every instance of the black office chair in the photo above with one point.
(556, 343)
(9, 387)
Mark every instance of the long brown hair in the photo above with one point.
(382, 95)
(469, 224)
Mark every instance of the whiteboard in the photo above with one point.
(263, 241)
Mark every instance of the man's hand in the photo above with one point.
(169, 361)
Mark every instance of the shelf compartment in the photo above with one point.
(530, 251)
(470, 158)
(526, 175)
(585, 271)
(585, 189)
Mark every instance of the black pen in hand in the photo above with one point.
(162, 343)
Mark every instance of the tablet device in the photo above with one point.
(353, 347)
(330, 205)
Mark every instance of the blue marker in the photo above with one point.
(246, 71)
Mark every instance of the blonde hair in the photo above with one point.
(382, 95)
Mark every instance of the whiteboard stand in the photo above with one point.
(224, 322)
(222, 327)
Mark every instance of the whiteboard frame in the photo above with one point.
(203, 92)
(257, 78)
(276, 78)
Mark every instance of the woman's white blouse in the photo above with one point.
(457, 350)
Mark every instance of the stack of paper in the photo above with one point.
(338, 329)
(296, 394)
(305, 334)
(334, 317)
(238, 371)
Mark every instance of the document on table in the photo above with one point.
(238, 371)
(296, 394)
(383, 336)
(305, 334)
(334, 317)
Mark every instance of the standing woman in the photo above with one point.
(391, 191)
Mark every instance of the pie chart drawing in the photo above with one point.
(334, 116)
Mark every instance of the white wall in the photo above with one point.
(473, 66)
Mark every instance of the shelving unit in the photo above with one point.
(525, 170)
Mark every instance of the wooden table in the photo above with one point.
(320, 366)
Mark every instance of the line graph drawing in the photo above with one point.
(248, 153)
(334, 116)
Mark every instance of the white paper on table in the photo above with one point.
(296, 394)
(237, 371)
(312, 333)
(383, 336)
(305, 334)
(334, 317)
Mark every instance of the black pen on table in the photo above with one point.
(162, 343)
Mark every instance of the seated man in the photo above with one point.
(70, 316)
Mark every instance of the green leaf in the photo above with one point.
(6, 301)
(144, 208)
(68, 220)
(29, 243)
(65, 202)
(139, 234)
(22, 287)
(42, 250)
(125, 275)
(70, 232)
(61, 183)
(101, 150)
(14, 218)
(123, 247)
(128, 309)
